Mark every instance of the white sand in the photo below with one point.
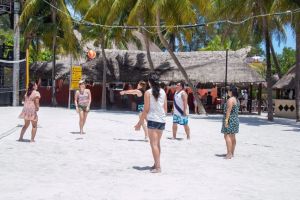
(108, 162)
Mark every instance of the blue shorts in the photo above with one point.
(156, 125)
(140, 107)
(182, 120)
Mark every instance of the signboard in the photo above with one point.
(76, 72)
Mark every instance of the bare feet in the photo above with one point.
(32, 140)
(228, 156)
(155, 170)
(188, 137)
(20, 140)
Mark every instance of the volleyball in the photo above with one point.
(91, 54)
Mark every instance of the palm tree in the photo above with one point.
(280, 5)
(105, 37)
(255, 30)
(174, 12)
(138, 12)
(80, 7)
(141, 13)
(61, 26)
(266, 32)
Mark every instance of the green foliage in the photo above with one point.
(216, 44)
(256, 50)
(37, 23)
(260, 68)
(6, 36)
(43, 55)
(5, 22)
(286, 59)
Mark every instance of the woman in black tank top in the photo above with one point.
(139, 92)
(140, 100)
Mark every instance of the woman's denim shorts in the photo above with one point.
(156, 125)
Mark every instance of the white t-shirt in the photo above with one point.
(179, 102)
(157, 112)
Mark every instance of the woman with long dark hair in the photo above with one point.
(29, 112)
(231, 121)
(155, 110)
(139, 92)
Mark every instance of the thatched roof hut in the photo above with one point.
(131, 66)
(44, 69)
(287, 81)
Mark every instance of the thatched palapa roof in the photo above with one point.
(287, 81)
(201, 66)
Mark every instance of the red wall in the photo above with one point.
(62, 95)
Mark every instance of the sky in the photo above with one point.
(290, 42)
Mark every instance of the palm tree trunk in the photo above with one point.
(27, 42)
(278, 70)
(103, 100)
(180, 44)
(172, 42)
(181, 69)
(297, 81)
(269, 67)
(53, 16)
(147, 45)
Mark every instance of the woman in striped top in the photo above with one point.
(82, 101)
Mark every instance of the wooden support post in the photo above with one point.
(259, 98)
(249, 103)
(27, 68)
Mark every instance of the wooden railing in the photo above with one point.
(6, 6)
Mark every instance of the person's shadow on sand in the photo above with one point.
(75, 132)
(142, 168)
(24, 140)
(130, 140)
(220, 155)
(170, 138)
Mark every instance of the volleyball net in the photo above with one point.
(6, 79)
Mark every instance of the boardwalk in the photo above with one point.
(111, 160)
